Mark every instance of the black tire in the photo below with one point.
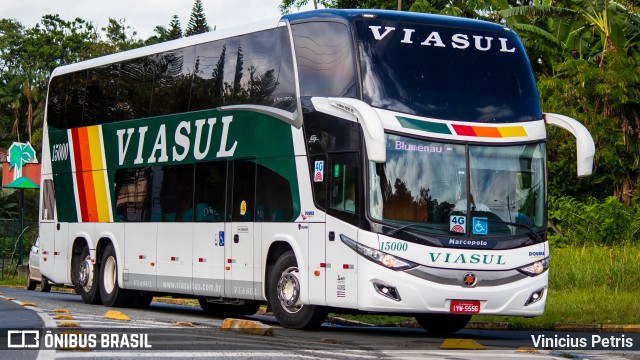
(210, 307)
(86, 288)
(141, 300)
(31, 284)
(45, 285)
(248, 308)
(110, 291)
(443, 323)
(293, 315)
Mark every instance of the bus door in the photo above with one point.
(47, 231)
(239, 230)
(342, 219)
(209, 238)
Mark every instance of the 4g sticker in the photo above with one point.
(457, 224)
(318, 170)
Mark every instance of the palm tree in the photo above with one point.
(583, 28)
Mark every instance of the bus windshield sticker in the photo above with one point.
(456, 224)
(480, 226)
(319, 171)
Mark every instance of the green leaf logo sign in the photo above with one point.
(20, 154)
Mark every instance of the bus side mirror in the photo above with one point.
(585, 148)
(360, 112)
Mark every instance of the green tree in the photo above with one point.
(197, 22)
(55, 42)
(175, 31)
(11, 38)
(585, 53)
(120, 36)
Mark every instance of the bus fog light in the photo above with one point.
(535, 297)
(387, 291)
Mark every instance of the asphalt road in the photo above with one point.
(163, 325)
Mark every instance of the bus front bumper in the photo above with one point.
(428, 290)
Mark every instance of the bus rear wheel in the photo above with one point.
(45, 285)
(443, 323)
(111, 293)
(86, 278)
(31, 284)
(284, 296)
(140, 300)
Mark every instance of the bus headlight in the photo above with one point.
(377, 256)
(535, 268)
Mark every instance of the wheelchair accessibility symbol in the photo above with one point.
(480, 226)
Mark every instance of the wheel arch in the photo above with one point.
(280, 245)
(80, 241)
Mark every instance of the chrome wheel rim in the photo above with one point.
(289, 290)
(109, 276)
(85, 275)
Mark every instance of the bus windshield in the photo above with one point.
(429, 184)
(446, 73)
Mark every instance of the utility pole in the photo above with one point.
(399, 5)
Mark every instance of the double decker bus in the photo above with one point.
(334, 160)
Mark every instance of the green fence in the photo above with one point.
(15, 242)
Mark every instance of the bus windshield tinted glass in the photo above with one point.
(430, 184)
(446, 73)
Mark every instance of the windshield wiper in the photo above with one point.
(535, 237)
(392, 232)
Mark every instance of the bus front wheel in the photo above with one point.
(284, 296)
(111, 293)
(86, 278)
(443, 323)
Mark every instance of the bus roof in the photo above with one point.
(317, 15)
(169, 45)
(347, 15)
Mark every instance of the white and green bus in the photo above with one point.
(334, 160)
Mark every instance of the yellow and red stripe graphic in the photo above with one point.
(90, 174)
(490, 132)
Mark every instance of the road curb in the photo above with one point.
(609, 328)
(347, 322)
(485, 325)
(246, 326)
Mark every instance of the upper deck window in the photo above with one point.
(447, 73)
(325, 59)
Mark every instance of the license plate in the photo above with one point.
(464, 307)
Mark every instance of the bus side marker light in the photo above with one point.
(44, 258)
(227, 268)
(152, 264)
(316, 273)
